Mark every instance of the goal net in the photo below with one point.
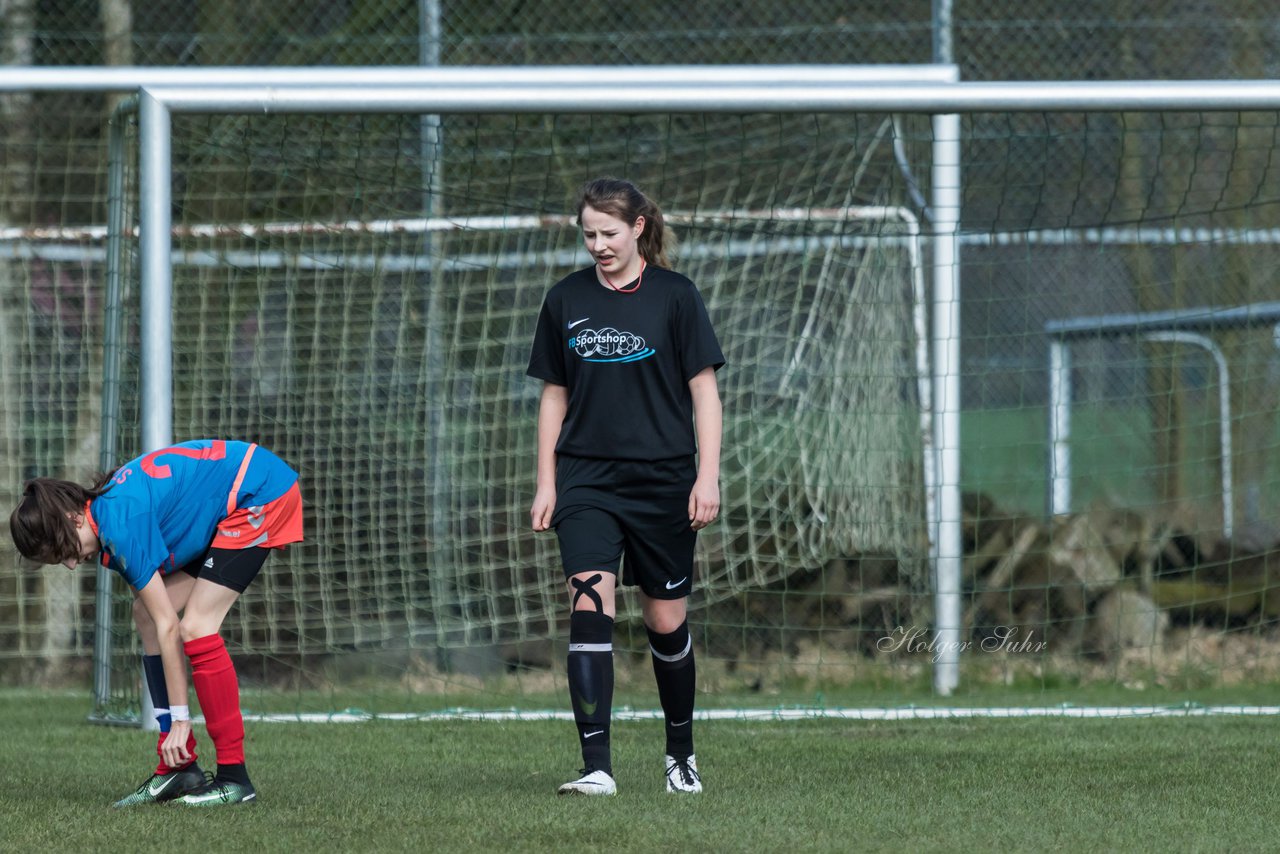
(368, 315)
(361, 300)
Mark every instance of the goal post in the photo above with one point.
(295, 238)
(1192, 327)
(685, 91)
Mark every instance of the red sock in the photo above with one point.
(161, 767)
(219, 693)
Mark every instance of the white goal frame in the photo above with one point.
(725, 89)
(930, 90)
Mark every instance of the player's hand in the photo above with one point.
(544, 505)
(704, 504)
(174, 750)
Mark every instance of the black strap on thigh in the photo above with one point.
(587, 588)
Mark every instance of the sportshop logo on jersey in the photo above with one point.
(608, 345)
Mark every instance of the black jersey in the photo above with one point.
(626, 359)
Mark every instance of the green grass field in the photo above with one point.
(1153, 784)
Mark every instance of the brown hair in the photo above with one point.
(623, 200)
(40, 526)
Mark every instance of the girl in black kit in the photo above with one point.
(628, 359)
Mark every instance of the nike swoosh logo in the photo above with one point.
(673, 585)
(218, 795)
(682, 723)
(155, 791)
(576, 322)
(589, 734)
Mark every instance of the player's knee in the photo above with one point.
(665, 618)
(592, 591)
(193, 626)
(664, 625)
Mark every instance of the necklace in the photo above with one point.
(624, 290)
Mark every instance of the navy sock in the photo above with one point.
(153, 667)
(590, 671)
(673, 668)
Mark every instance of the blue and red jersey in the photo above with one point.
(161, 510)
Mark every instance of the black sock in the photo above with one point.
(674, 671)
(590, 671)
(232, 774)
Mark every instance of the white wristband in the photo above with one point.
(180, 713)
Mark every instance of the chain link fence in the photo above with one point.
(991, 39)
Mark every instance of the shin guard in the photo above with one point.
(590, 671)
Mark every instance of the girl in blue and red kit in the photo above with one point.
(188, 527)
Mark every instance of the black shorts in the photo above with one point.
(233, 568)
(632, 511)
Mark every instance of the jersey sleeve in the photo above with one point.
(546, 361)
(698, 346)
(140, 553)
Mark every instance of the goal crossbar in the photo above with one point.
(671, 90)
(695, 91)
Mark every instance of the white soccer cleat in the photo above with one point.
(682, 775)
(595, 783)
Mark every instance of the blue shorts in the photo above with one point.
(633, 512)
